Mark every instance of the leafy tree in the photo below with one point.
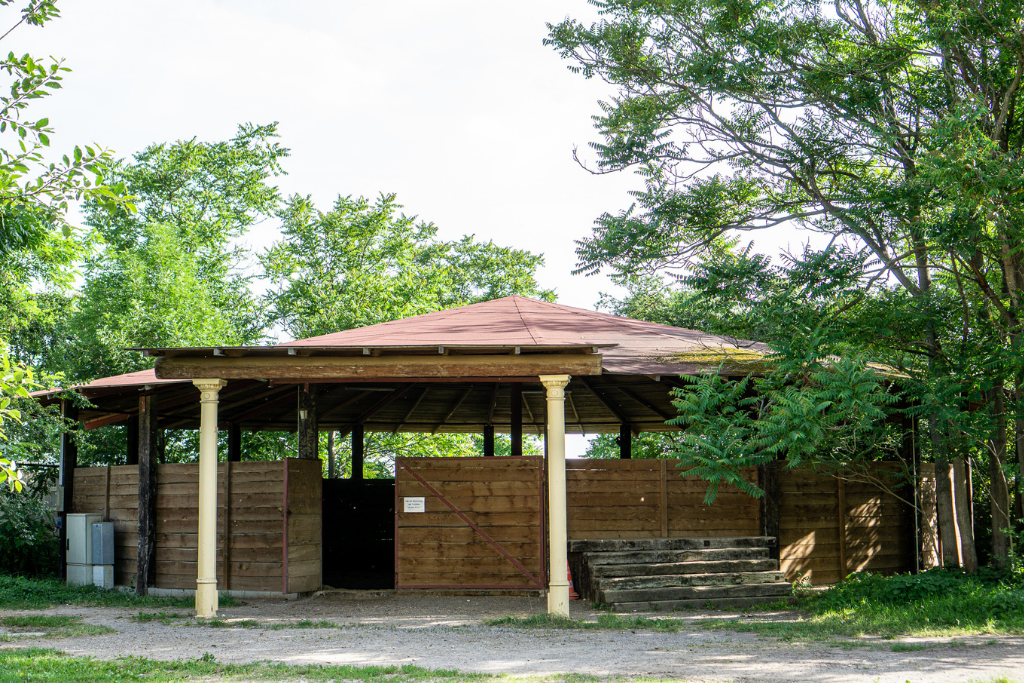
(363, 263)
(892, 128)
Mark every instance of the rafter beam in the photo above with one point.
(607, 404)
(415, 405)
(345, 404)
(645, 403)
(451, 412)
(374, 409)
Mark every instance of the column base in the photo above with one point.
(558, 600)
(207, 600)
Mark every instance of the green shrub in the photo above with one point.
(28, 538)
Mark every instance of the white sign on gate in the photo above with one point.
(415, 504)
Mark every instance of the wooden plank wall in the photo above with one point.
(928, 523)
(114, 493)
(609, 499)
(436, 548)
(830, 527)
(250, 498)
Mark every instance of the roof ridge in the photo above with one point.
(526, 325)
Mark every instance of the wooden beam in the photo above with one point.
(494, 404)
(380, 367)
(145, 567)
(346, 403)
(374, 409)
(489, 441)
(613, 410)
(415, 405)
(451, 412)
(107, 420)
(259, 410)
(646, 404)
(516, 422)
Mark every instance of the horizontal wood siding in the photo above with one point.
(870, 535)
(250, 501)
(609, 499)
(502, 496)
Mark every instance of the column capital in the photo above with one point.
(555, 384)
(209, 388)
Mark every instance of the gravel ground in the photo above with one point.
(448, 632)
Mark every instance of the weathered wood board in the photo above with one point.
(250, 496)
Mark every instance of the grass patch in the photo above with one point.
(163, 617)
(608, 622)
(19, 592)
(938, 602)
(51, 666)
(49, 626)
(908, 647)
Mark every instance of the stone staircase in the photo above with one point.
(677, 573)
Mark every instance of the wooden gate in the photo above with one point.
(469, 523)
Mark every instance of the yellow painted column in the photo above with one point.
(558, 536)
(206, 582)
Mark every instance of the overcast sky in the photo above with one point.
(455, 106)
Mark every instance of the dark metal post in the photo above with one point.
(145, 573)
(489, 441)
(625, 442)
(234, 442)
(330, 455)
(66, 482)
(516, 409)
(357, 453)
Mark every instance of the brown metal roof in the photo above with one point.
(139, 378)
(635, 347)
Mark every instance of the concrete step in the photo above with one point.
(698, 593)
(717, 579)
(618, 545)
(717, 603)
(597, 559)
(757, 564)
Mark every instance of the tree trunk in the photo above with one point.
(944, 504)
(962, 503)
(999, 490)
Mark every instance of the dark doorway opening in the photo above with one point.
(359, 533)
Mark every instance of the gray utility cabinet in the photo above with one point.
(79, 547)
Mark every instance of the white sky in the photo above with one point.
(455, 106)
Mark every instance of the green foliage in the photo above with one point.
(21, 592)
(363, 263)
(28, 538)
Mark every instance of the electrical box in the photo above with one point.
(79, 547)
(103, 543)
(103, 576)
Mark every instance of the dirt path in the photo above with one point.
(447, 632)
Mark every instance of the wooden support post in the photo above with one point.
(558, 536)
(144, 565)
(357, 453)
(841, 494)
(206, 579)
(309, 428)
(625, 442)
(768, 481)
(516, 412)
(331, 474)
(489, 441)
(131, 455)
(234, 442)
(66, 482)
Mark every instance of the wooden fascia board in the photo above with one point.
(379, 367)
